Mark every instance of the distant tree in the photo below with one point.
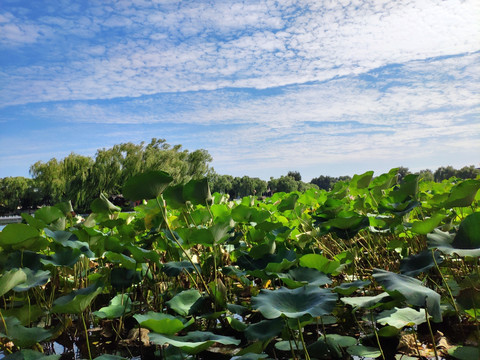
(16, 192)
(468, 172)
(220, 183)
(402, 172)
(295, 174)
(283, 184)
(323, 182)
(81, 179)
(426, 175)
(443, 173)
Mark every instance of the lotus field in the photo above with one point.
(373, 268)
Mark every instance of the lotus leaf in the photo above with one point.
(462, 194)
(464, 352)
(426, 226)
(148, 185)
(27, 354)
(321, 263)
(34, 278)
(364, 351)
(418, 263)
(118, 306)
(20, 236)
(77, 301)
(466, 242)
(20, 335)
(185, 302)
(401, 317)
(304, 276)
(194, 342)
(162, 323)
(294, 303)
(412, 290)
(368, 302)
(197, 192)
(10, 279)
(102, 205)
(348, 289)
(264, 330)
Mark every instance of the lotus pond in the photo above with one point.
(374, 268)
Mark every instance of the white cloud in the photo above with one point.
(196, 46)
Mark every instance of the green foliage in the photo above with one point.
(189, 265)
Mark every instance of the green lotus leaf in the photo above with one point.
(401, 317)
(368, 302)
(468, 234)
(286, 345)
(321, 263)
(194, 342)
(110, 357)
(69, 240)
(236, 324)
(32, 221)
(126, 261)
(466, 242)
(294, 303)
(418, 263)
(341, 340)
(264, 330)
(10, 279)
(102, 205)
(25, 314)
(27, 354)
(361, 181)
(162, 323)
(288, 203)
(175, 268)
(20, 335)
(148, 185)
(251, 356)
(185, 302)
(77, 301)
(412, 290)
(246, 214)
(20, 236)
(34, 278)
(141, 255)
(348, 289)
(426, 226)
(364, 351)
(122, 278)
(49, 214)
(64, 257)
(197, 192)
(464, 352)
(302, 276)
(118, 307)
(462, 194)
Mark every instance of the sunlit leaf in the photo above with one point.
(401, 317)
(185, 302)
(162, 323)
(10, 279)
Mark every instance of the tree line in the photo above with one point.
(81, 179)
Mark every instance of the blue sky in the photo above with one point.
(321, 87)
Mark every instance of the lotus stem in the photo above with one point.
(305, 351)
(431, 332)
(86, 337)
